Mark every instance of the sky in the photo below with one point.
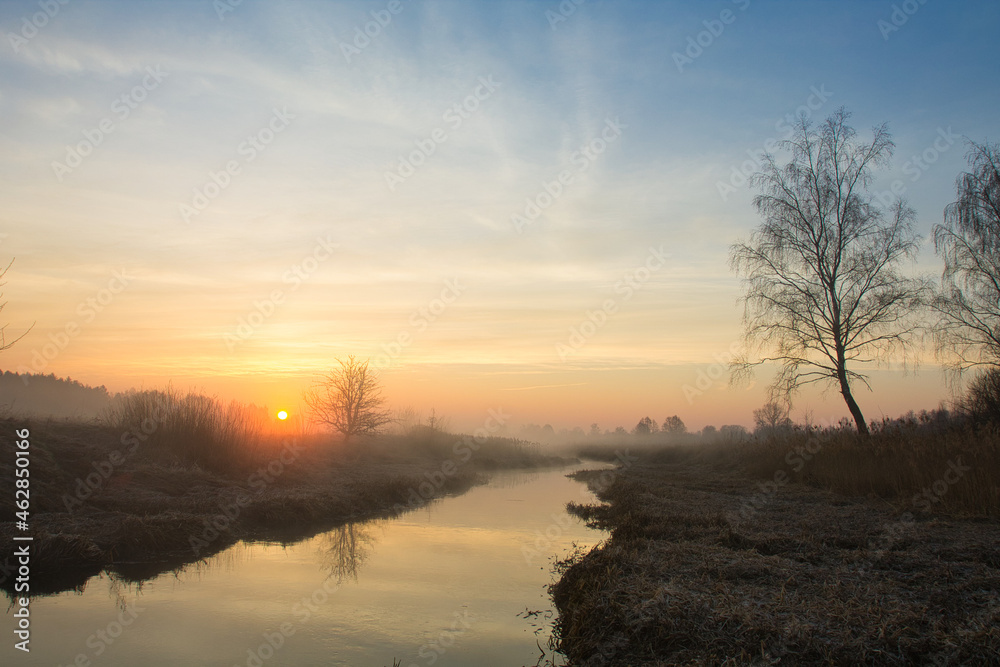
(515, 206)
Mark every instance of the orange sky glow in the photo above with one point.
(500, 214)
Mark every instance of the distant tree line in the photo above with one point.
(672, 429)
(50, 396)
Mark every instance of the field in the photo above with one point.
(802, 548)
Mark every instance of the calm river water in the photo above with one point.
(459, 582)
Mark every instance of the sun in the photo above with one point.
(282, 415)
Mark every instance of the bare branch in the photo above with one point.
(968, 303)
(349, 400)
(4, 344)
(822, 288)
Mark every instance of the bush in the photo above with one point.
(196, 428)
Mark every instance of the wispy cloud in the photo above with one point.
(325, 173)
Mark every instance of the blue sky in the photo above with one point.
(345, 122)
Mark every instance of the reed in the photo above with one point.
(196, 428)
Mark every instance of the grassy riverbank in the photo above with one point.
(879, 552)
(104, 499)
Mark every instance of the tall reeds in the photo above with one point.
(924, 464)
(194, 427)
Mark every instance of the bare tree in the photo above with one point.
(3, 329)
(823, 291)
(349, 400)
(771, 418)
(969, 243)
(347, 548)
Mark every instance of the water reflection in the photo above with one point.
(343, 550)
(393, 590)
(512, 478)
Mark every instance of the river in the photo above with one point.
(461, 581)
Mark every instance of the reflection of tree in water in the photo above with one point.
(508, 479)
(122, 590)
(125, 580)
(345, 549)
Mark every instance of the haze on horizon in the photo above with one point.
(504, 205)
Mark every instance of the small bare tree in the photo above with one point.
(969, 242)
(823, 292)
(3, 329)
(771, 418)
(349, 400)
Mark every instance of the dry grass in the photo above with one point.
(935, 463)
(809, 547)
(951, 468)
(810, 577)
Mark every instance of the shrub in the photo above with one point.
(197, 428)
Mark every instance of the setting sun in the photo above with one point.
(703, 294)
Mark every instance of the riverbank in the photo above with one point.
(711, 564)
(100, 502)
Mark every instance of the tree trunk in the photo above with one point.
(852, 405)
(845, 386)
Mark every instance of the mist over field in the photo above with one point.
(428, 332)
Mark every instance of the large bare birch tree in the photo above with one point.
(823, 288)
